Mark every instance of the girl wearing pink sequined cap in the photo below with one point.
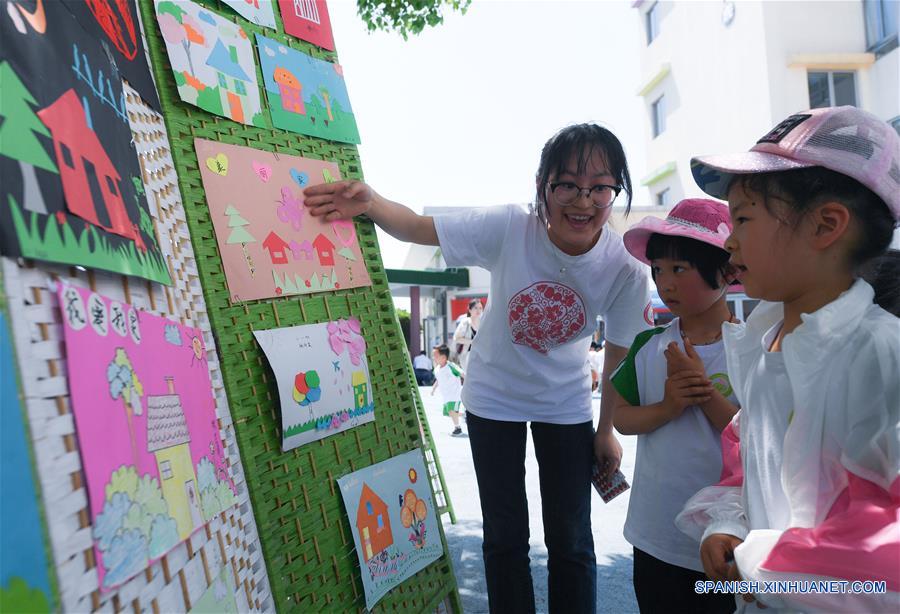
(673, 392)
(809, 490)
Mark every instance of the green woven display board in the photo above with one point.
(305, 534)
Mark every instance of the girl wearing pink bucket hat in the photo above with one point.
(676, 396)
(810, 491)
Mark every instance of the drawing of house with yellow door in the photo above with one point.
(168, 438)
(360, 389)
(373, 524)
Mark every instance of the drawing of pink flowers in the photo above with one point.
(347, 334)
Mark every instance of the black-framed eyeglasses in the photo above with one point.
(602, 196)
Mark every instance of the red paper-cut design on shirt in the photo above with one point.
(545, 315)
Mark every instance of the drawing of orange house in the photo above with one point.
(291, 91)
(168, 440)
(373, 523)
(90, 180)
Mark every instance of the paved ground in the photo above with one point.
(614, 592)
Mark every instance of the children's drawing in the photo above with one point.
(147, 431)
(313, 406)
(219, 597)
(212, 61)
(25, 581)
(306, 95)
(393, 521)
(308, 20)
(115, 23)
(70, 181)
(270, 245)
(260, 12)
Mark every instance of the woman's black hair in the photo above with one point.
(800, 191)
(883, 274)
(472, 303)
(580, 140)
(709, 260)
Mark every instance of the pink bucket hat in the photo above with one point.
(700, 219)
(845, 139)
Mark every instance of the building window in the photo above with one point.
(831, 89)
(369, 509)
(66, 155)
(111, 185)
(239, 87)
(663, 197)
(222, 81)
(165, 468)
(380, 521)
(658, 111)
(881, 18)
(651, 20)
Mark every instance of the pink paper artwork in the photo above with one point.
(270, 245)
(147, 431)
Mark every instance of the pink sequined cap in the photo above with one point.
(845, 139)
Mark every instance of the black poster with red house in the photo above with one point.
(115, 23)
(70, 181)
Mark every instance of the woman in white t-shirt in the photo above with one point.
(554, 269)
(673, 391)
(466, 331)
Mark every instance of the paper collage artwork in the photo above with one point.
(306, 95)
(147, 430)
(70, 181)
(323, 379)
(115, 22)
(260, 12)
(393, 521)
(308, 20)
(211, 60)
(270, 245)
(24, 565)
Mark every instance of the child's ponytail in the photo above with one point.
(883, 274)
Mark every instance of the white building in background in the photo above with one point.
(719, 75)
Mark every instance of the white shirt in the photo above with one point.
(528, 360)
(677, 459)
(422, 362)
(769, 410)
(596, 360)
(449, 383)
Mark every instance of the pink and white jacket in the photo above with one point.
(841, 457)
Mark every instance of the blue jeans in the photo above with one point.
(564, 454)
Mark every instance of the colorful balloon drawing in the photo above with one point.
(306, 388)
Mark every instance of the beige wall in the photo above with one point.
(728, 85)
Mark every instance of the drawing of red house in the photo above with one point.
(291, 91)
(90, 181)
(277, 248)
(324, 249)
(373, 524)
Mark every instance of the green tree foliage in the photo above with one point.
(406, 16)
(19, 124)
(403, 316)
(19, 597)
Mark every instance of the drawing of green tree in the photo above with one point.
(235, 221)
(17, 135)
(326, 97)
(124, 384)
